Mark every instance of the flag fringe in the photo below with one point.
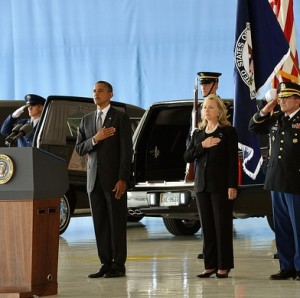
(250, 153)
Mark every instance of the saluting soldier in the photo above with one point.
(283, 174)
(35, 104)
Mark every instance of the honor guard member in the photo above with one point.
(283, 174)
(209, 82)
(34, 104)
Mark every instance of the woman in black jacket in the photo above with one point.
(214, 147)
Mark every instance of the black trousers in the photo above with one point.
(110, 225)
(215, 211)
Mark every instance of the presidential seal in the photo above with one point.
(6, 168)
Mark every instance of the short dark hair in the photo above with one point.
(108, 85)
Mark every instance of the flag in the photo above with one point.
(284, 11)
(260, 50)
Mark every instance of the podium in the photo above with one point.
(32, 182)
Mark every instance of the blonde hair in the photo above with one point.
(222, 119)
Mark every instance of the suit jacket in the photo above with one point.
(111, 158)
(283, 167)
(216, 167)
(8, 125)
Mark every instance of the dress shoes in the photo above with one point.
(207, 274)
(113, 274)
(284, 274)
(298, 275)
(102, 271)
(222, 275)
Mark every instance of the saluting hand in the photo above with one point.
(269, 107)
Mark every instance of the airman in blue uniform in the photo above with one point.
(35, 104)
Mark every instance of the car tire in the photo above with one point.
(180, 227)
(270, 220)
(65, 214)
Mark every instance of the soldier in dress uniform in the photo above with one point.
(34, 103)
(209, 82)
(283, 174)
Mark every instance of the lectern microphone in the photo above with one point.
(23, 131)
(13, 133)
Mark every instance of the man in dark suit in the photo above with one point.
(283, 173)
(109, 149)
(35, 104)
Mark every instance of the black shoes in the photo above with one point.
(102, 271)
(284, 274)
(106, 272)
(207, 274)
(222, 275)
(113, 274)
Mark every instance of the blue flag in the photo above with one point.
(260, 50)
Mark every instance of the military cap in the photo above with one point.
(286, 89)
(208, 77)
(33, 99)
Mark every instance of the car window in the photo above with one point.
(63, 118)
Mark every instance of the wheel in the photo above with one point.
(179, 227)
(270, 220)
(134, 218)
(65, 214)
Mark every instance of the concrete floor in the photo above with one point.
(162, 265)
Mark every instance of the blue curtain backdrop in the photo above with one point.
(150, 50)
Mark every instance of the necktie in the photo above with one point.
(99, 121)
(285, 121)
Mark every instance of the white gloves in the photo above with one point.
(18, 112)
(270, 95)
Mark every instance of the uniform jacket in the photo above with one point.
(112, 156)
(283, 168)
(216, 167)
(8, 125)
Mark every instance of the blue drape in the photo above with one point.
(150, 50)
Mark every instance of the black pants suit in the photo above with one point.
(216, 171)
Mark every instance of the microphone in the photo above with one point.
(23, 131)
(14, 131)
